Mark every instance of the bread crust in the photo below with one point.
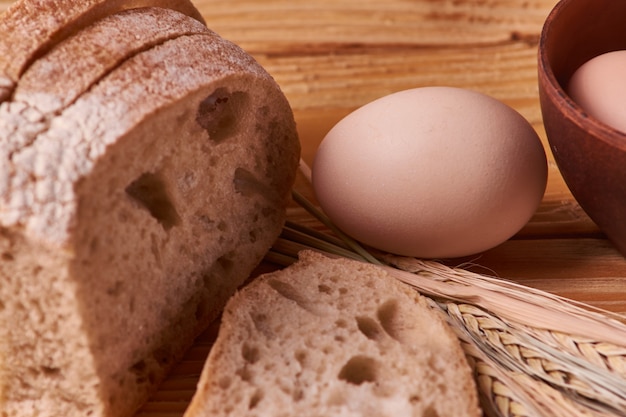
(30, 28)
(333, 337)
(58, 78)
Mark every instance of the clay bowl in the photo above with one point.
(590, 155)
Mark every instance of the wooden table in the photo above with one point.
(332, 56)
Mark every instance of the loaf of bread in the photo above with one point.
(132, 210)
(333, 338)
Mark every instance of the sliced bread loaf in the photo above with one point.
(333, 338)
(130, 219)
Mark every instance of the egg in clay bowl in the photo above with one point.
(431, 172)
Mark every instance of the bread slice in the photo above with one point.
(55, 80)
(333, 338)
(30, 28)
(127, 224)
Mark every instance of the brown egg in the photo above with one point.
(599, 87)
(434, 172)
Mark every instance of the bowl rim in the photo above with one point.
(571, 110)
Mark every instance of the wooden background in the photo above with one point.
(332, 56)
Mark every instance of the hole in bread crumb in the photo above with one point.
(116, 289)
(369, 327)
(6, 256)
(141, 371)
(430, 412)
(298, 395)
(131, 304)
(152, 377)
(94, 244)
(325, 289)
(150, 192)
(253, 236)
(341, 323)
(301, 357)
(291, 293)
(247, 184)
(358, 370)
(139, 367)
(389, 317)
(262, 325)
(244, 373)
(255, 399)
(155, 250)
(224, 382)
(217, 274)
(415, 399)
(220, 113)
(226, 263)
(250, 354)
(50, 371)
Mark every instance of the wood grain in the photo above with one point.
(332, 56)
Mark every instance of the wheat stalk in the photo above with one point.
(533, 334)
(533, 353)
(597, 389)
(526, 305)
